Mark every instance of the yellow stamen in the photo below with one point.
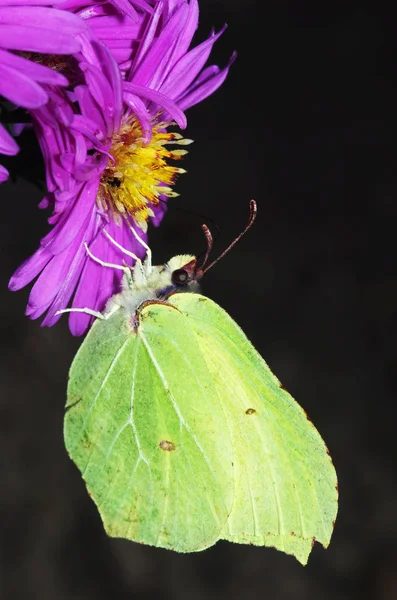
(139, 172)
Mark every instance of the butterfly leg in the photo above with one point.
(138, 262)
(127, 252)
(148, 260)
(127, 270)
(93, 313)
(87, 311)
(120, 247)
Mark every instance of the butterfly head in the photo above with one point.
(180, 274)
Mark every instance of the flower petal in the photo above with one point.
(39, 18)
(74, 268)
(188, 67)
(19, 89)
(147, 39)
(7, 143)
(159, 99)
(206, 87)
(51, 41)
(3, 174)
(139, 109)
(125, 7)
(157, 56)
(69, 225)
(31, 69)
(29, 269)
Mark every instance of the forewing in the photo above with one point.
(146, 429)
(285, 482)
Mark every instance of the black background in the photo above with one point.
(306, 125)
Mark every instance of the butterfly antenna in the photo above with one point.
(210, 241)
(253, 211)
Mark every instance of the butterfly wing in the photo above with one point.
(146, 429)
(285, 482)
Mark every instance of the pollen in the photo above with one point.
(138, 172)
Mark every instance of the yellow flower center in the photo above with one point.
(139, 173)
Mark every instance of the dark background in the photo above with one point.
(305, 124)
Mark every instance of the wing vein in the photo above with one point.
(108, 373)
(174, 403)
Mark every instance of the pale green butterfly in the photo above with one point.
(182, 433)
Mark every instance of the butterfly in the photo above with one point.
(182, 433)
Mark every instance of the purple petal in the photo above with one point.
(158, 54)
(89, 107)
(189, 29)
(160, 100)
(21, 90)
(197, 93)
(124, 6)
(94, 280)
(19, 37)
(3, 174)
(7, 143)
(72, 221)
(91, 170)
(92, 11)
(170, 53)
(75, 262)
(32, 69)
(87, 290)
(57, 277)
(114, 32)
(188, 67)
(29, 269)
(141, 112)
(147, 39)
(50, 281)
(159, 211)
(17, 128)
(93, 8)
(105, 96)
(112, 73)
(45, 202)
(87, 127)
(31, 2)
(97, 284)
(172, 6)
(39, 19)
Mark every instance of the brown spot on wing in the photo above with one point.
(167, 446)
(250, 411)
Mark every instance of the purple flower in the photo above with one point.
(107, 160)
(31, 27)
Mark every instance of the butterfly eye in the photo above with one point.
(180, 277)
